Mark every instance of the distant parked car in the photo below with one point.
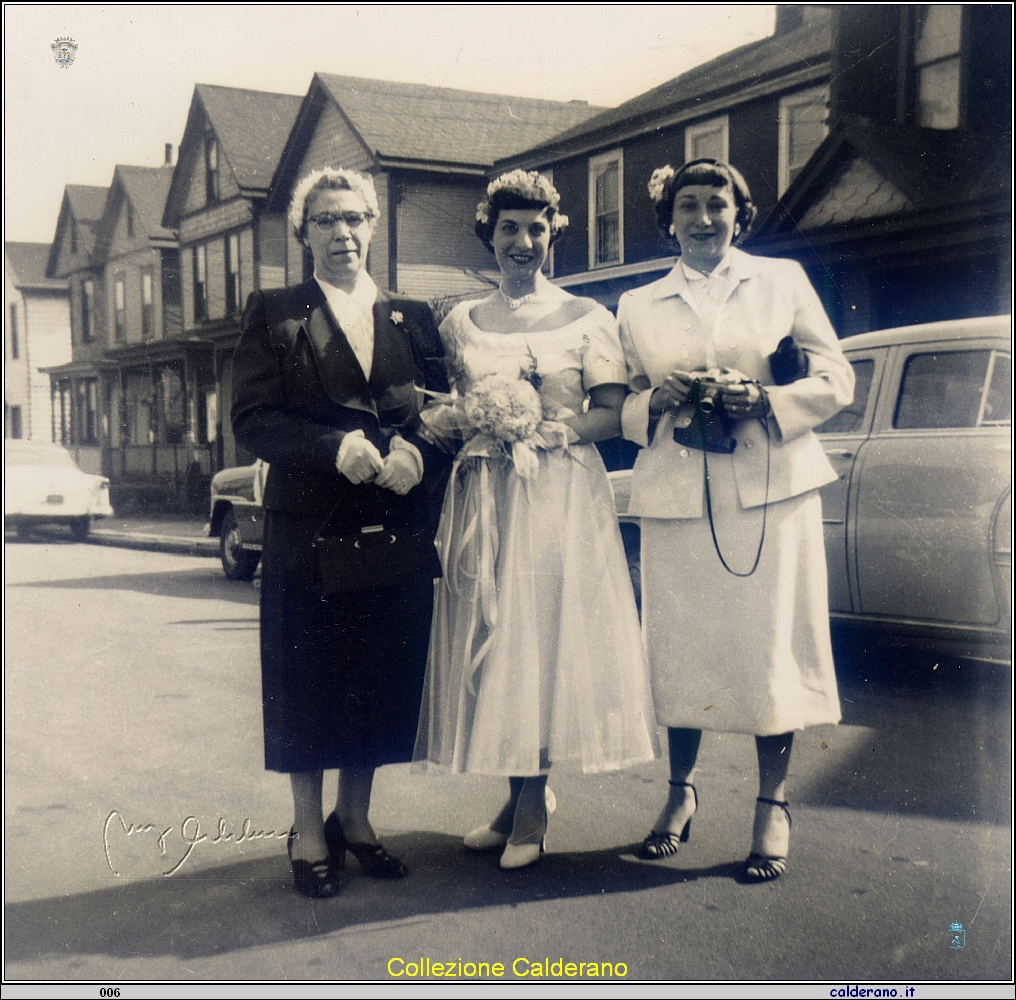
(918, 527)
(237, 518)
(43, 485)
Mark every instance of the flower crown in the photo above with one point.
(530, 185)
(658, 182)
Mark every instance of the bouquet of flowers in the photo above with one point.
(499, 416)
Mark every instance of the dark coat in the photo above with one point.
(341, 678)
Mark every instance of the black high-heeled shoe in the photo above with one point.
(663, 845)
(314, 879)
(373, 858)
(765, 867)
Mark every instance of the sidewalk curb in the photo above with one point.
(207, 547)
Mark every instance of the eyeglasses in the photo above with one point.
(327, 221)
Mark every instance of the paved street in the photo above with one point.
(133, 714)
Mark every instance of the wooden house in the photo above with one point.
(37, 334)
(75, 385)
(762, 107)
(229, 244)
(903, 215)
(429, 150)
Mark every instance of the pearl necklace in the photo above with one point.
(514, 304)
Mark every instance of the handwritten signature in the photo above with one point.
(190, 833)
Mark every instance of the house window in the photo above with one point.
(88, 410)
(211, 170)
(937, 65)
(15, 422)
(548, 267)
(200, 284)
(802, 129)
(606, 209)
(130, 220)
(87, 311)
(708, 139)
(74, 236)
(15, 346)
(147, 305)
(119, 309)
(233, 293)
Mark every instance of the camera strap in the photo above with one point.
(764, 420)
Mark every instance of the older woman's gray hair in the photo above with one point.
(331, 179)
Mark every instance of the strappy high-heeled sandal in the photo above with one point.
(374, 859)
(663, 845)
(314, 879)
(766, 867)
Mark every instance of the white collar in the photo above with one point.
(692, 274)
(740, 265)
(364, 292)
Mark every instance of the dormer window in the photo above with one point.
(211, 170)
(74, 236)
(937, 37)
(130, 220)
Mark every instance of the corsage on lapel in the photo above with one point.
(396, 317)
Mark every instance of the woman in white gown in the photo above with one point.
(536, 654)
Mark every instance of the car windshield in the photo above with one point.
(53, 457)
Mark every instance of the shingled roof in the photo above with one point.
(410, 121)
(84, 205)
(252, 127)
(730, 75)
(147, 188)
(28, 262)
(87, 201)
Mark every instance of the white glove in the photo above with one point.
(358, 460)
(403, 468)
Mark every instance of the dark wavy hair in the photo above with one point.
(510, 200)
(714, 173)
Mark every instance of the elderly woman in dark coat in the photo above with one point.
(325, 384)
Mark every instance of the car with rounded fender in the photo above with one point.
(918, 524)
(43, 485)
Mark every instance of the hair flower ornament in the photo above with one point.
(529, 185)
(658, 182)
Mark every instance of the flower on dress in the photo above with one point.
(396, 317)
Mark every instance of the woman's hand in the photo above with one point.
(675, 392)
(743, 401)
(401, 472)
(358, 460)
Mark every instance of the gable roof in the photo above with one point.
(735, 75)
(146, 189)
(411, 121)
(29, 261)
(252, 127)
(413, 125)
(865, 170)
(83, 204)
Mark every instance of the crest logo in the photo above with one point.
(957, 936)
(64, 50)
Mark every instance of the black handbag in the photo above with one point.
(788, 362)
(366, 559)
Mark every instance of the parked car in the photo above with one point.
(237, 518)
(918, 527)
(43, 485)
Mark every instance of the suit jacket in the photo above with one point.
(298, 389)
(763, 301)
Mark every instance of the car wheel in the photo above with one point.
(80, 527)
(237, 563)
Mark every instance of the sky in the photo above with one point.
(129, 88)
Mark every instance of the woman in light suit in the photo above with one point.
(735, 612)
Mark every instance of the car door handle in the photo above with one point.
(839, 453)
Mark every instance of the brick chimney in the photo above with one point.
(169, 154)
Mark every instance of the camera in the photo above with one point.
(709, 428)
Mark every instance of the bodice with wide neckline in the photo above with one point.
(470, 306)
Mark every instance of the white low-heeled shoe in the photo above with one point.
(522, 855)
(483, 838)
